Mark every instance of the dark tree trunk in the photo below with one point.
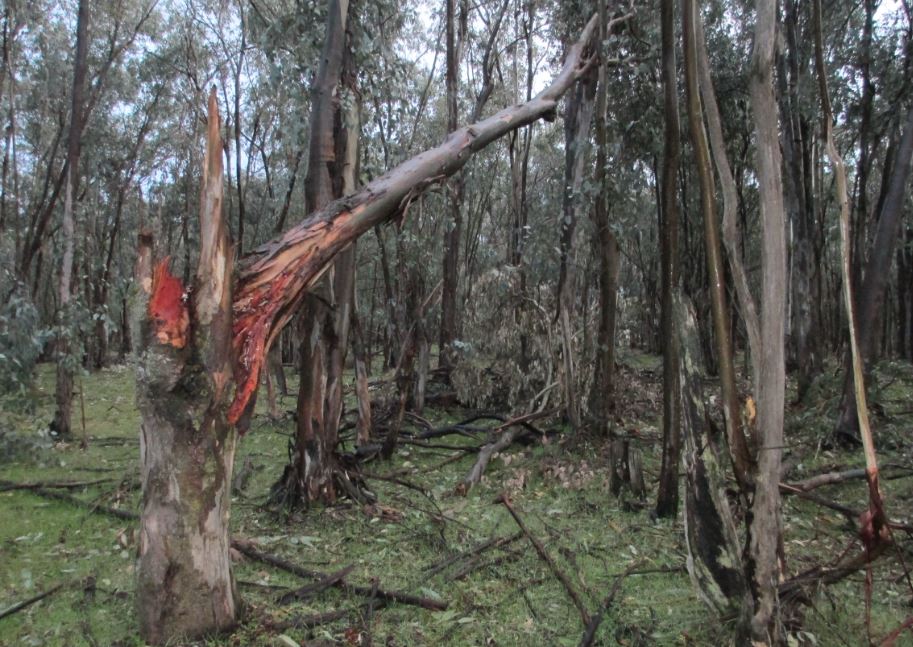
(803, 352)
(65, 363)
(452, 232)
(185, 587)
(667, 497)
(602, 398)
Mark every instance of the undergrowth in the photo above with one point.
(559, 488)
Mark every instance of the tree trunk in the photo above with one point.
(803, 353)
(738, 447)
(578, 116)
(311, 475)
(602, 398)
(64, 386)
(667, 497)
(184, 585)
(766, 514)
(451, 267)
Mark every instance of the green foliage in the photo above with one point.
(22, 339)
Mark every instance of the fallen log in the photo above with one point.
(488, 452)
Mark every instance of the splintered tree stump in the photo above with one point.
(184, 583)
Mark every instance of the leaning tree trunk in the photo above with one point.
(275, 277)
(184, 582)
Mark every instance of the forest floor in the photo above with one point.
(505, 596)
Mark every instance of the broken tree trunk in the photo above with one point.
(274, 278)
(714, 561)
(184, 583)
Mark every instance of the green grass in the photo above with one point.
(560, 489)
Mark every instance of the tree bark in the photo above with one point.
(764, 533)
(185, 587)
(667, 497)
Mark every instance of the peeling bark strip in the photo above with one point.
(184, 583)
(273, 278)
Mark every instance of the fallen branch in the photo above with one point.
(246, 549)
(596, 620)
(488, 452)
(832, 478)
(494, 542)
(540, 549)
(19, 606)
(7, 486)
(317, 619)
(475, 565)
(91, 507)
(308, 590)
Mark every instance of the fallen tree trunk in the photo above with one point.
(274, 278)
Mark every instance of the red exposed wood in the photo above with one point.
(168, 308)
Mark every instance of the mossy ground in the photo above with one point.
(559, 488)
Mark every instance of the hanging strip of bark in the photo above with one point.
(273, 279)
(714, 561)
(730, 204)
